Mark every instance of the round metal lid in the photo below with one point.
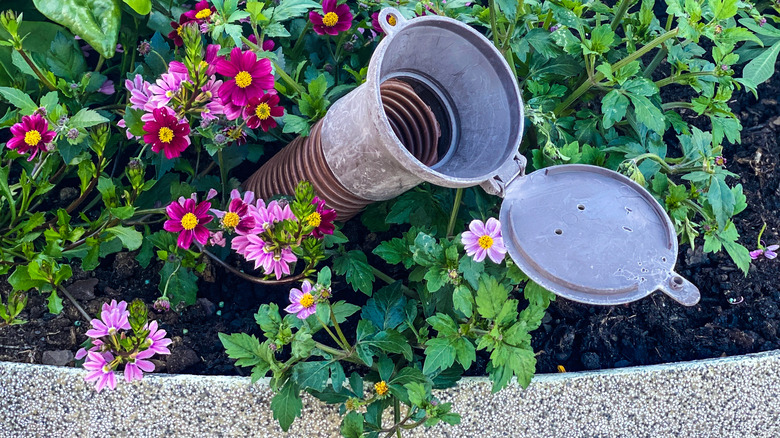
(592, 235)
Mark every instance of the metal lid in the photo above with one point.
(592, 235)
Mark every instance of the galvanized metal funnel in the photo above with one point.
(440, 104)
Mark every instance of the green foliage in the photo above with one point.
(97, 21)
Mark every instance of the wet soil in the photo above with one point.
(736, 315)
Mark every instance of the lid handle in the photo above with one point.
(680, 289)
(390, 20)
(508, 171)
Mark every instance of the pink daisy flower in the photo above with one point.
(139, 92)
(110, 323)
(237, 216)
(138, 363)
(260, 112)
(336, 18)
(202, 12)
(30, 135)
(249, 77)
(165, 132)
(268, 44)
(188, 219)
(159, 343)
(100, 370)
(322, 219)
(302, 301)
(484, 239)
(163, 90)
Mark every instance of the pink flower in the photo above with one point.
(82, 353)
(188, 219)
(137, 363)
(280, 262)
(139, 92)
(249, 77)
(159, 343)
(212, 52)
(114, 306)
(163, 90)
(175, 34)
(260, 112)
(100, 370)
(107, 87)
(237, 216)
(30, 135)
(110, 322)
(268, 45)
(254, 248)
(162, 304)
(217, 239)
(302, 301)
(336, 18)
(167, 133)
(484, 239)
(202, 12)
(322, 219)
(768, 252)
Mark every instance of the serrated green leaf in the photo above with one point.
(312, 375)
(54, 303)
(130, 237)
(352, 425)
(386, 309)
(287, 404)
(463, 300)
(19, 99)
(439, 355)
(96, 21)
(721, 199)
(723, 9)
(354, 265)
(490, 297)
(391, 341)
(613, 105)
(86, 118)
(65, 58)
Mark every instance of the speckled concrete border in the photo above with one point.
(729, 397)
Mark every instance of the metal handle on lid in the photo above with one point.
(680, 289)
(390, 20)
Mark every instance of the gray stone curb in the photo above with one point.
(728, 397)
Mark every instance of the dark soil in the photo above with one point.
(736, 315)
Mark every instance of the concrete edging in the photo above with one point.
(737, 396)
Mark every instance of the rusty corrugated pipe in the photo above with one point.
(303, 159)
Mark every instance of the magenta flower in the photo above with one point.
(163, 90)
(322, 219)
(175, 34)
(100, 371)
(217, 239)
(162, 304)
(188, 219)
(267, 216)
(254, 248)
(302, 301)
(260, 112)
(30, 135)
(249, 77)
(336, 18)
(138, 363)
(167, 133)
(484, 239)
(237, 216)
(280, 263)
(82, 352)
(202, 12)
(110, 322)
(768, 252)
(268, 44)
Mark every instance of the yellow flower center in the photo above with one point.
(381, 388)
(391, 20)
(485, 242)
(314, 219)
(32, 137)
(234, 133)
(165, 134)
(263, 111)
(307, 300)
(243, 79)
(106, 368)
(230, 220)
(179, 29)
(205, 13)
(189, 221)
(330, 19)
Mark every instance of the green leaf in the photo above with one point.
(96, 21)
(19, 99)
(288, 9)
(395, 251)
(471, 270)
(352, 425)
(439, 354)
(537, 295)
(490, 297)
(391, 341)
(311, 374)
(65, 58)
(613, 105)
(20, 280)
(509, 8)
(54, 303)
(86, 118)
(295, 125)
(142, 7)
(647, 113)
(181, 284)
(386, 309)
(359, 274)
(130, 237)
(287, 404)
(465, 353)
(762, 67)
(463, 300)
(723, 9)
(721, 198)
(343, 310)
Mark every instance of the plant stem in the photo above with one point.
(588, 83)
(75, 303)
(454, 214)
(674, 78)
(621, 12)
(338, 328)
(100, 62)
(382, 276)
(672, 105)
(325, 326)
(761, 233)
(252, 278)
(493, 26)
(37, 72)
(286, 78)
(222, 175)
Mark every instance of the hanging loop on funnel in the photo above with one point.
(390, 20)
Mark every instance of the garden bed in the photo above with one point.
(736, 315)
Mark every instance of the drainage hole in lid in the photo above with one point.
(559, 231)
(628, 229)
(580, 207)
(678, 280)
(663, 259)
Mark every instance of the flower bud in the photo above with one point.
(162, 305)
(144, 48)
